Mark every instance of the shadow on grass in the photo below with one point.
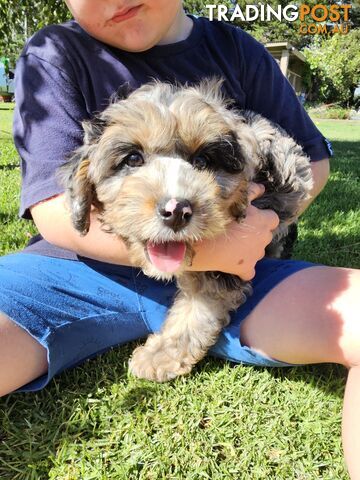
(345, 147)
(9, 166)
(332, 249)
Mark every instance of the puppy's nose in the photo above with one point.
(175, 214)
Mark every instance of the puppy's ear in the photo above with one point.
(73, 175)
(79, 191)
(254, 134)
(262, 129)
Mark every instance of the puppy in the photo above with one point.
(169, 166)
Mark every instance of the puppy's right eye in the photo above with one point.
(200, 162)
(134, 159)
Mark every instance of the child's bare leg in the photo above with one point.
(313, 316)
(22, 358)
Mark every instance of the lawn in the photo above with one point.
(222, 421)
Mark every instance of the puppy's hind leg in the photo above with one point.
(192, 326)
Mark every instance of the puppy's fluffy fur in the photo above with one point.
(166, 167)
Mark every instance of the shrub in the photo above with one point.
(335, 67)
(329, 111)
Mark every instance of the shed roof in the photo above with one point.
(286, 46)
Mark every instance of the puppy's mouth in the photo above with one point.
(167, 256)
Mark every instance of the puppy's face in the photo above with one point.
(166, 168)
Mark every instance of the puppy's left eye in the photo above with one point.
(134, 159)
(200, 162)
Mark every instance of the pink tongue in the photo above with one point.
(167, 257)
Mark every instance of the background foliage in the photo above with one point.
(20, 19)
(335, 66)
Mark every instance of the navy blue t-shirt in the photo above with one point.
(64, 76)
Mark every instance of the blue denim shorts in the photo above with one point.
(77, 309)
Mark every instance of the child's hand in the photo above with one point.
(242, 246)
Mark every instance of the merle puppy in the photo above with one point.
(169, 166)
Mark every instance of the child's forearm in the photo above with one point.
(320, 171)
(53, 221)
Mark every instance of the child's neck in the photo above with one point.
(179, 30)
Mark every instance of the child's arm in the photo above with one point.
(53, 221)
(320, 171)
(235, 252)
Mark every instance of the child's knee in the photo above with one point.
(22, 358)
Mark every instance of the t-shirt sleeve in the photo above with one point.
(47, 126)
(270, 94)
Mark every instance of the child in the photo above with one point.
(74, 297)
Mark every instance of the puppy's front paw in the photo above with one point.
(157, 364)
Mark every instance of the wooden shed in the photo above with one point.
(291, 63)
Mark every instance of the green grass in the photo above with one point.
(221, 422)
(14, 232)
(330, 229)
